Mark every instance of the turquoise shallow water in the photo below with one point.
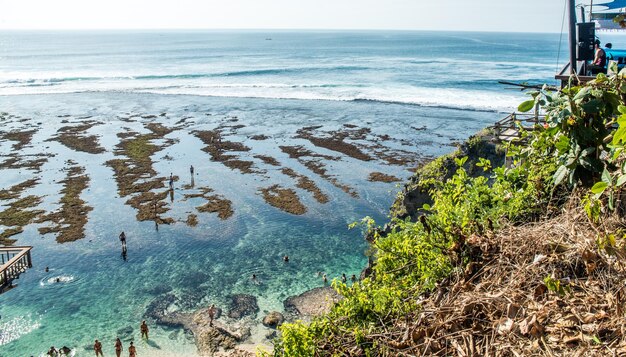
(417, 92)
(99, 293)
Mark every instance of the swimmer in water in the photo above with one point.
(286, 258)
(58, 280)
(325, 278)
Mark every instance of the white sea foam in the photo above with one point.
(457, 98)
(56, 280)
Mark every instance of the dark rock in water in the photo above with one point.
(159, 289)
(193, 279)
(311, 303)
(125, 333)
(273, 319)
(242, 305)
(271, 335)
(189, 299)
(158, 307)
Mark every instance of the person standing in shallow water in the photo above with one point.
(171, 181)
(118, 347)
(53, 352)
(132, 351)
(97, 347)
(144, 329)
(123, 240)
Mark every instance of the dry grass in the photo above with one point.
(500, 305)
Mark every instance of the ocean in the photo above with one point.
(399, 98)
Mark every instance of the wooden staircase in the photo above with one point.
(13, 262)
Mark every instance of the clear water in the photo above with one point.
(274, 83)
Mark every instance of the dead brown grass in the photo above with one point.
(500, 304)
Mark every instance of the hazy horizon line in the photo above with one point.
(270, 29)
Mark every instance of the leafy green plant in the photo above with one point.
(557, 286)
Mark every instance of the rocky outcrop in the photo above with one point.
(157, 309)
(210, 338)
(273, 319)
(312, 303)
(243, 305)
(416, 194)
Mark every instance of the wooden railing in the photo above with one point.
(13, 262)
(507, 129)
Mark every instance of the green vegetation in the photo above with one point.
(577, 153)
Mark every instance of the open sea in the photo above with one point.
(414, 94)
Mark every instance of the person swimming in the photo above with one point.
(286, 258)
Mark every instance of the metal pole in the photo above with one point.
(582, 14)
(591, 11)
(572, 36)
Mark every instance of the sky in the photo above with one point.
(451, 15)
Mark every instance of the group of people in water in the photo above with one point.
(97, 346)
(344, 278)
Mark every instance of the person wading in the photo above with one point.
(118, 347)
(144, 329)
(132, 351)
(97, 347)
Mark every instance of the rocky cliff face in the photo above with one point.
(415, 194)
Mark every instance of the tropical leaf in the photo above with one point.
(599, 187)
(560, 175)
(526, 106)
